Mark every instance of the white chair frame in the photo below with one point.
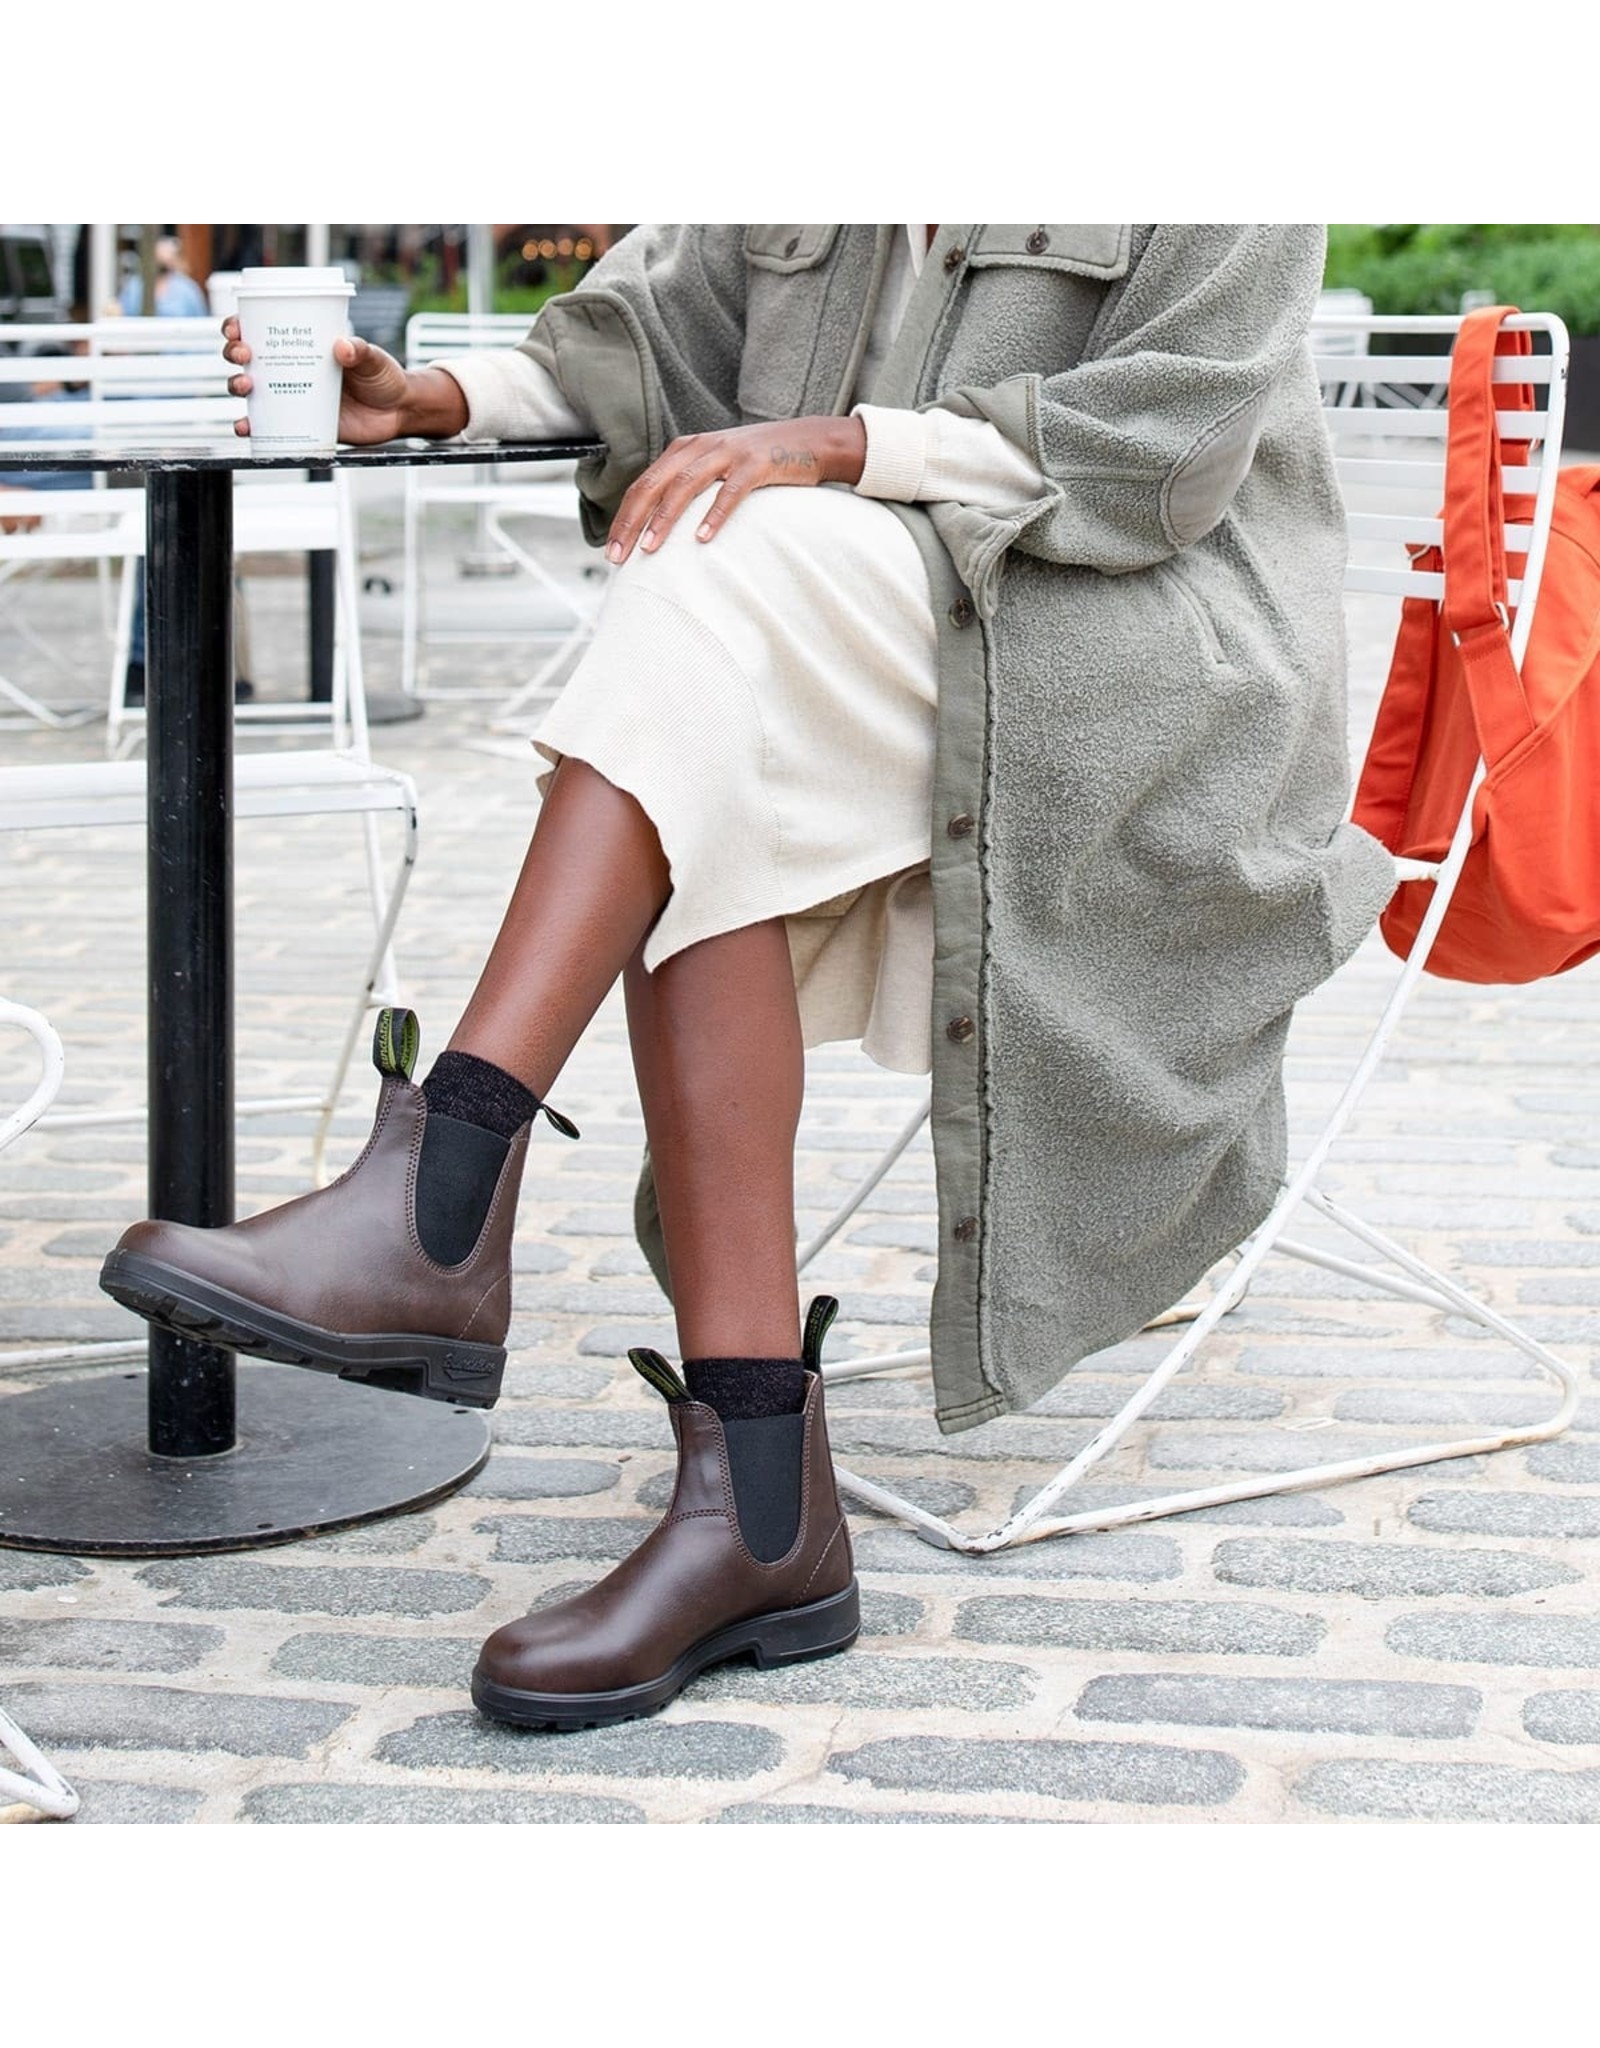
(1348, 377)
(498, 496)
(297, 782)
(38, 1788)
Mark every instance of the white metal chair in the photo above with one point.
(1391, 466)
(499, 497)
(291, 782)
(38, 1788)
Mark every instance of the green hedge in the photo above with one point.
(1425, 269)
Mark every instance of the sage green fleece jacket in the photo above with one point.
(1141, 710)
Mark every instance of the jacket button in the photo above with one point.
(962, 825)
(959, 1030)
(793, 243)
(966, 1230)
(1037, 242)
(954, 258)
(961, 612)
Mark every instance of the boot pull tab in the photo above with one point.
(651, 1366)
(819, 1320)
(558, 1122)
(395, 1043)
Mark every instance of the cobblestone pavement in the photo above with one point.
(1418, 1646)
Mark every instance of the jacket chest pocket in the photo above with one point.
(1100, 253)
(786, 282)
(1031, 295)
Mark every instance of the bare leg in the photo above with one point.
(721, 1071)
(591, 886)
(716, 1043)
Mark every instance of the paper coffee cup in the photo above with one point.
(289, 319)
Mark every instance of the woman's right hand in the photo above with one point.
(372, 401)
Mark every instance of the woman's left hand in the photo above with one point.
(818, 449)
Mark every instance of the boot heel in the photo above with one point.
(469, 1374)
(814, 1631)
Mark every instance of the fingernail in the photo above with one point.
(647, 540)
(703, 532)
(614, 552)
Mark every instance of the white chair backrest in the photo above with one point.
(431, 335)
(1390, 453)
(121, 380)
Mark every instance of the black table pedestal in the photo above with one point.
(312, 1453)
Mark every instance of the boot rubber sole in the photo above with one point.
(791, 1637)
(432, 1368)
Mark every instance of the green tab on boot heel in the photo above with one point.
(819, 1320)
(651, 1366)
(396, 1042)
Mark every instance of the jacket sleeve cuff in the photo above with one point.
(897, 453)
(510, 397)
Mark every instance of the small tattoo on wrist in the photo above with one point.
(792, 458)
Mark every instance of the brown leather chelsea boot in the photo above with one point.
(344, 1280)
(693, 1593)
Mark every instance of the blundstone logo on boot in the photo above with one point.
(457, 1367)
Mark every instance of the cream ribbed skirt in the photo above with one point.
(768, 699)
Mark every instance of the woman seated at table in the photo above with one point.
(971, 685)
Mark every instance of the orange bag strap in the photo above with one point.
(1474, 611)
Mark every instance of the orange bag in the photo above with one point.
(1528, 900)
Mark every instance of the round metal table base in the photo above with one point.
(313, 1453)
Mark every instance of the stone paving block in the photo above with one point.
(607, 1429)
(903, 1234)
(407, 1805)
(768, 1813)
(106, 1803)
(1383, 1571)
(1562, 1716)
(533, 1255)
(1263, 1450)
(890, 1614)
(87, 1717)
(1554, 1641)
(1007, 1438)
(622, 1260)
(414, 1660)
(1525, 1252)
(560, 1378)
(389, 1536)
(859, 1679)
(508, 1476)
(1478, 1407)
(1133, 1773)
(602, 1220)
(635, 1749)
(1462, 1792)
(1378, 1362)
(616, 1340)
(1118, 1554)
(84, 1645)
(217, 1583)
(1566, 1462)
(1315, 1706)
(1201, 1627)
(25, 1571)
(1197, 1401)
(1463, 1511)
(542, 1539)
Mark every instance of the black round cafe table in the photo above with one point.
(200, 1452)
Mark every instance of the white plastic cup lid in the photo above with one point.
(292, 277)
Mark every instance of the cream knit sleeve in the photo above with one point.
(510, 397)
(922, 456)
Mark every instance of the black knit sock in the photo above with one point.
(477, 1092)
(474, 1111)
(759, 1402)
